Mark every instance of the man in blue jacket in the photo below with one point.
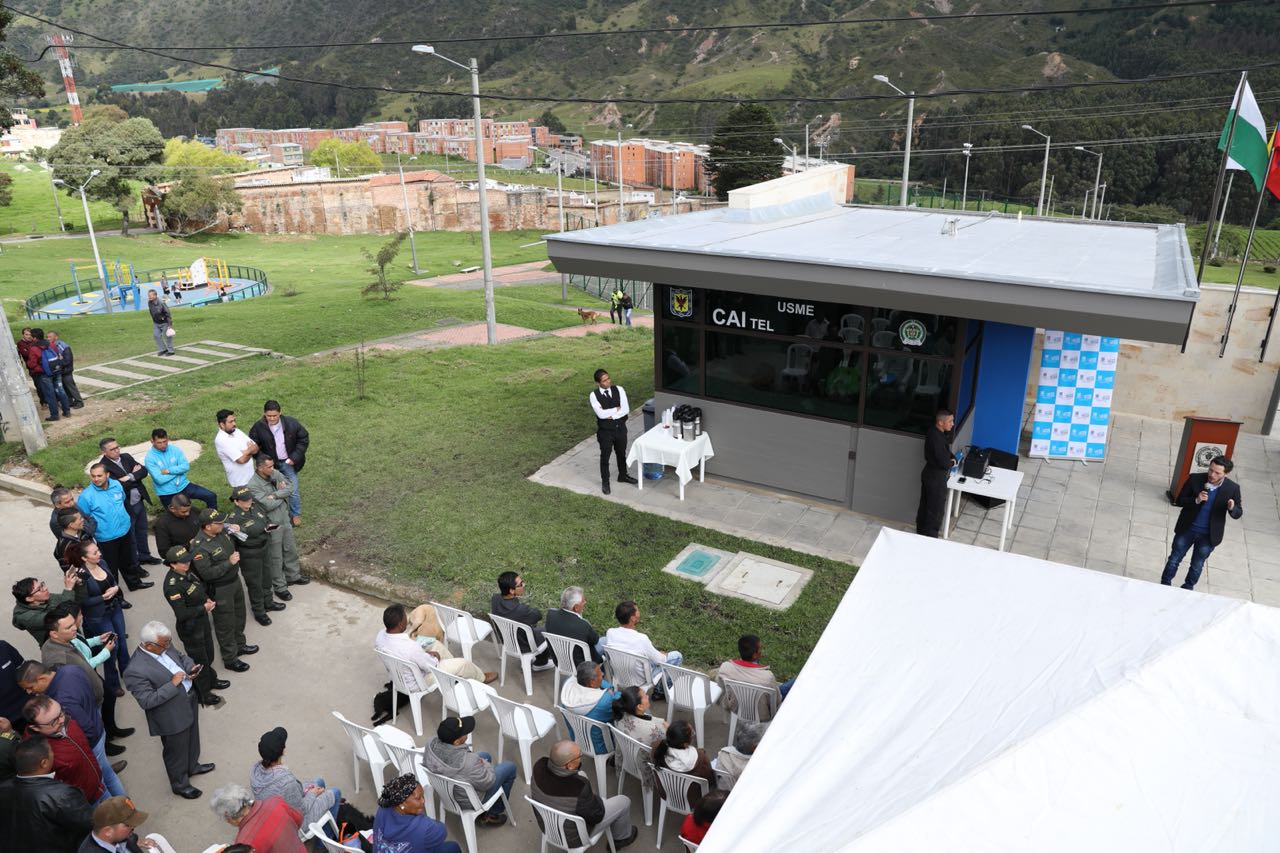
(68, 359)
(50, 377)
(168, 467)
(104, 499)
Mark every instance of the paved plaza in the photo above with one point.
(1111, 516)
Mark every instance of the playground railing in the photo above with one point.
(34, 303)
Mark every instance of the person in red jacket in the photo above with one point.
(73, 760)
(697, 822)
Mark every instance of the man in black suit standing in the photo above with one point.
(130, 473)
(160, 679)
(609, 402)
(1206, 500)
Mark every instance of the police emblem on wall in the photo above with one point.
(912, 333)
(681, 302)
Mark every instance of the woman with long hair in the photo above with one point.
(677, 752)
(101, 606)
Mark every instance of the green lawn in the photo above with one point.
(326, 272)
(425, 480)
(32, 210)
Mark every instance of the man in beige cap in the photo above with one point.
(114, 822)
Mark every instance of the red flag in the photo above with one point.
(1273, 164)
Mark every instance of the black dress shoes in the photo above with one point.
(188, 792)
(201, 769)
(236, 666)
(247, 650)
(262, 619)
(125, 605)
(626, 478)
(151, 561)
(284, 595)
(300, 580)
(275, 605)
(134, 587)
(213, 700)
(119, 766)
(116, 734)
(114, 749)
(604, 487)
(143, 573)
(221, 684)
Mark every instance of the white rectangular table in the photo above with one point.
(659, 446)
(999, 483)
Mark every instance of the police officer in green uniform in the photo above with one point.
(216, 562)
(252, 530)
(186, 595)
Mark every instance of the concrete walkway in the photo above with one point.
(95, 379)
(1111, 516)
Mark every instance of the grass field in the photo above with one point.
(425, 480)
(32, 210)
(1265, 252)
(326, 272)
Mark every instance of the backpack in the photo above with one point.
(51, 361)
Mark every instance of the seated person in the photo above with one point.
(269, 825)
(401, 823)
(34, 599)
(569, 622)
(697, 822)
(632, 717)
(425, 651)
(626, 638)
(558, 783)
(747, 667)
(507, 604)
(590, 695)
(447, 754)
(733, 759)
(271, 778)
(677, 752)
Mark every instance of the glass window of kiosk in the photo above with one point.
(913, 331)
(805, 378)
(680, 363)
(903, 392)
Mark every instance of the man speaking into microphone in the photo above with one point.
(609, 402)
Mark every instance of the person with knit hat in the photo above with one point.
(114, 822)
(447, 755)
(271, 778)
(401, 823)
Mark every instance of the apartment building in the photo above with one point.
(284, 154)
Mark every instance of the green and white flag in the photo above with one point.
(1249, 143)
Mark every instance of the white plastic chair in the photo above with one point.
(676, 786)
(851, 335)
(364, 746)
(851, 321)
(509, 633)
(569, 653)
(629, 670)
(754, 703)
(879, 324)
(555, 822)
(461, 627)
(405, 756)
(689, 846)
(799, 357)
(523, 722)
(929, 383)
(306, 833)
(463, 696)
(317, 832)
(162, 843)
(406, 678)
(693, 690)
(581, 728)
(882, 340)
(449, 791)
(635, 759)
(724, 780)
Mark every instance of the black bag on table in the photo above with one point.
(976, 462)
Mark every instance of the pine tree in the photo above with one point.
(743, 150)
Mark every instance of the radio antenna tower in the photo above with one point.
(60, 42)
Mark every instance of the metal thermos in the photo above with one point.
(697, 423)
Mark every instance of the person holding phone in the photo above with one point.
(101, 605)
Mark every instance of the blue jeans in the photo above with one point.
(138, 515)
(505, 778)
(196, 493)
(109, 778)
(1183, 542)
(295, 499)
(113, 667)
(785, 687)
(54, 394)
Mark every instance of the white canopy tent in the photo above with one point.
(966, 699)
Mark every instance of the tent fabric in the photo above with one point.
(966, 699)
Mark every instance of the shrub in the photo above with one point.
(1215, 262)
(1269, 269)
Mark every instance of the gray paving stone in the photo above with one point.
(840, 542)
(771, 526)
(743, 519)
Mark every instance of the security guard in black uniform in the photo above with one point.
(938, 461)
(249, 519)
(185, 594)
(216, 562)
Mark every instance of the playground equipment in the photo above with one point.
(113, 283)
(206, 281)
(205, 272)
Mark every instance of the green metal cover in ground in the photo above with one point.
(697, 564)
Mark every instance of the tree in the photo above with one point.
(743, 151)
(123, 152)
(184, 159)
(385, 256)
(552, 122)
(347, 159)
(16, 80)
(197, 202)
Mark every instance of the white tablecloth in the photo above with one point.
(657, 445)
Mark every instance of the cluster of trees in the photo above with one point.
(345, 159)
(120, 149)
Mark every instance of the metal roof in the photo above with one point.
(1132, 280)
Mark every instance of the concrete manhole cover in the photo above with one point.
(698, 563)
(768, 583)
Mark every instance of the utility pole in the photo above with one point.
(1049, 200)
(57, 205)
(17, 394)
(621, 210)
(408, 214)
(964, 193)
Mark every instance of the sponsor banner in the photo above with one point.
(1072, 413)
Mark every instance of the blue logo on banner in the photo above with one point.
(1109, 345)
(1100, 417)
(1071, 340)
(1067, 378)
(1040, 430)
(1050, 358)
(1057, 448)
(1079, 432)
(1095, 451)
(1062, 414)
(1084, 396)
(1046, 394)
(1105, 379)
(1088, 361)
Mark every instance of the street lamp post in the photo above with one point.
(795, 158)
(559, 181)
(57, 205)
(911, 116)
(408, 215)
(490, 318)
(1044, 170)
(806, 141)
(1097, 176)
(964, 194)
(1098, 209)
(93, 240)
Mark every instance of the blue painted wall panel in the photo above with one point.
(1002, 385)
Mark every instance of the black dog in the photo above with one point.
(382, 705)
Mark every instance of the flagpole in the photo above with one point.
(1244, 262)
(1226, 200)
(1275, 305)
(1217, 194)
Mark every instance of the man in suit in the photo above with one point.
(160, 679)
(609, 402)
(1206, 500)
(130, 473)
(38, 813)
(569, 622)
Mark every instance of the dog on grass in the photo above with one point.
(588, 316)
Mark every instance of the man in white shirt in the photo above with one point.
(235, 449)
(394, 639)
(609, 402)
(627, 639)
